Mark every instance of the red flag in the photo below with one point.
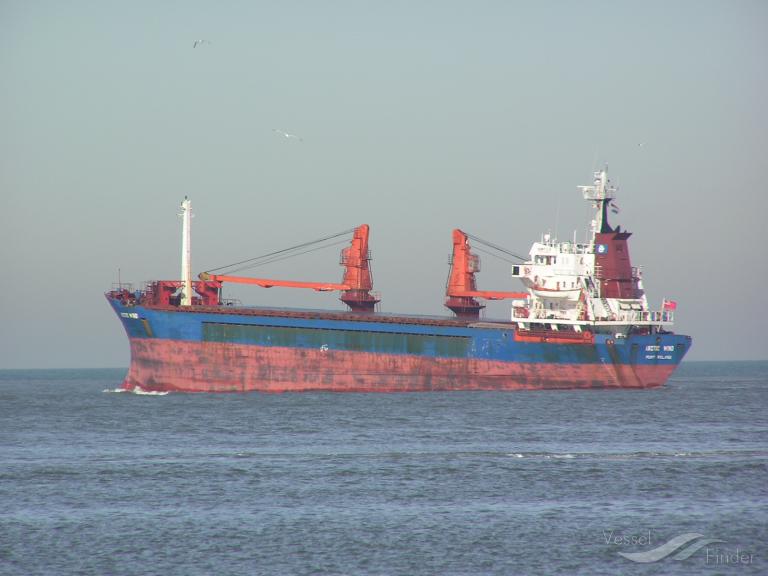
(670, 305)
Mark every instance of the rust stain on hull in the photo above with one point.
(189, 366)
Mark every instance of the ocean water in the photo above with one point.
(554, 482)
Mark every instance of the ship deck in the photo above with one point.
(380, 317)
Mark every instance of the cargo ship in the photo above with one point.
(581, 320)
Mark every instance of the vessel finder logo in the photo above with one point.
(685, 545)
(680, 547)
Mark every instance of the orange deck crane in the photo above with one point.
(355, 287)
(461, 292)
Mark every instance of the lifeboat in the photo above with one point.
(560, 293)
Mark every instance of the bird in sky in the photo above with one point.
(200, 42)
(287, 135)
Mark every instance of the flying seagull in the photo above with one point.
(200, 42)
(287, 135)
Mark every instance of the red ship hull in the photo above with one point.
(189, 366)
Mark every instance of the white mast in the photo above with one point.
(186, 252)
(600, 192)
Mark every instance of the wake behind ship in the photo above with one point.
(583, 321)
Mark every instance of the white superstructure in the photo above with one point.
(590, 285)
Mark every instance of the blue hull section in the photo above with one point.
(497, 343)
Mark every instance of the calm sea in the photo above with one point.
(556, 482)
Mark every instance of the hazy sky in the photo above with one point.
(416, 117)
